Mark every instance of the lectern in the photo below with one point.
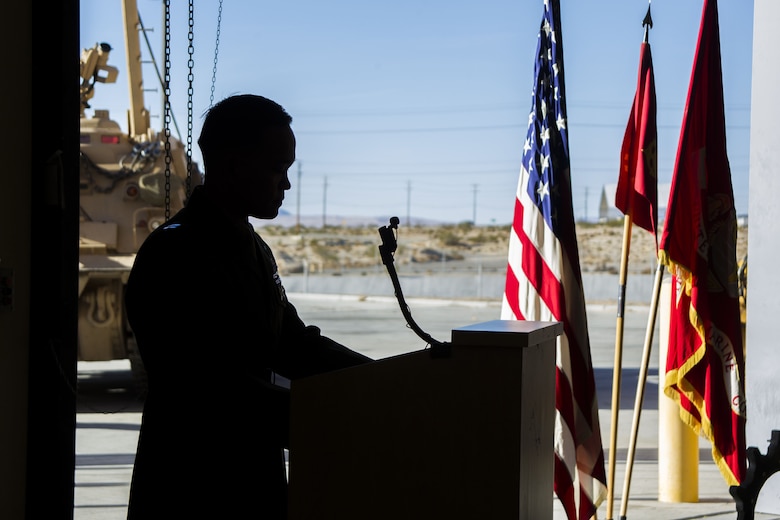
(415, 436)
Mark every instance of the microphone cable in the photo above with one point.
(386, 251)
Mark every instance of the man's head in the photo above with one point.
(248, 146)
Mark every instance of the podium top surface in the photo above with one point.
(507, 333)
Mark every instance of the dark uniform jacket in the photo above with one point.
(212, 324)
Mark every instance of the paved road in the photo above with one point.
(109, 415)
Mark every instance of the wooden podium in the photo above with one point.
(468, 435)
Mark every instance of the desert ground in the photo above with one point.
(354, 247)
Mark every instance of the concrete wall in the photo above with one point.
(763, 307)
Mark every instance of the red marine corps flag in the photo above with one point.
(637, 189)
(544, 282)
(637, 198)
(705, 363)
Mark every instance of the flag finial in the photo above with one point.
(647, 23)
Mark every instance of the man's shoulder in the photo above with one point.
(177, 227)
(170, 237)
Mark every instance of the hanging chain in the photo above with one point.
(216, 55)
(190, 78)
(167, 104)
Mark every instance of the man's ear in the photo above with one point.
(227, 163)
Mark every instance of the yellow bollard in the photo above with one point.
(678, 444)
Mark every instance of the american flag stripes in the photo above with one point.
(544, 281)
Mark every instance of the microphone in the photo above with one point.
(389, 242)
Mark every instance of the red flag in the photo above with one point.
(705, 363)
(637, 189)
(544, 281)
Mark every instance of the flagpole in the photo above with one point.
(617, 366)
(640, 387)
(633, 194)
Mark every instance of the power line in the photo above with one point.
(484, 128)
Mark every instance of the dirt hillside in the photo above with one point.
(342, 248)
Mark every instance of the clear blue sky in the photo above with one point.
(422, 106)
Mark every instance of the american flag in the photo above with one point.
(544, 282)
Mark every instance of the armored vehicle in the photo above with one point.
(130, 183)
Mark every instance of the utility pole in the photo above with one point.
(408, 203)
(324, 201)
(586, 204)
(298, 202)
(474, 210)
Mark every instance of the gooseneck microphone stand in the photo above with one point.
(386, 250)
